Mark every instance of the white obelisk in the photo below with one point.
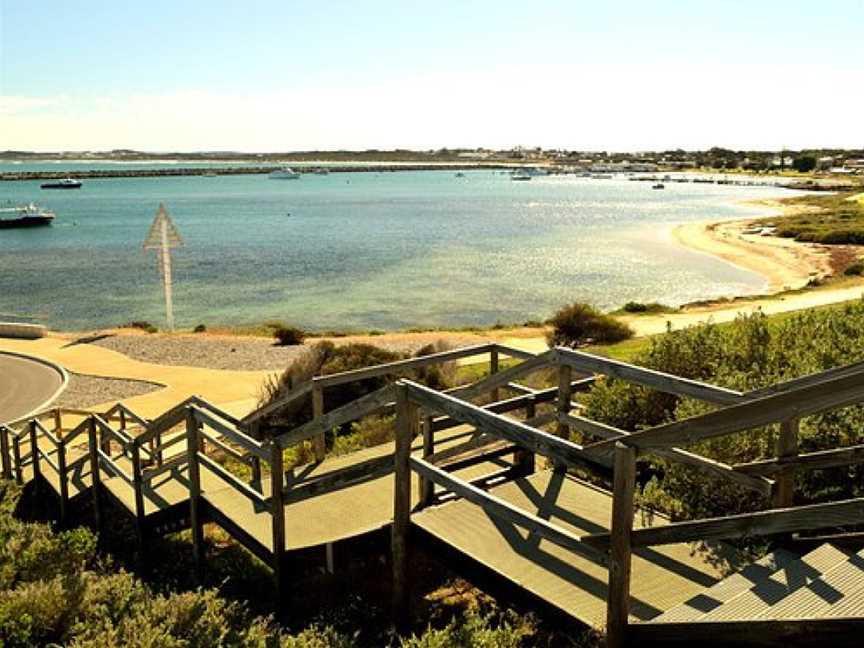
(163, 236)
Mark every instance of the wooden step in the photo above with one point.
(797, 574)
(817, 598)
(729, 588)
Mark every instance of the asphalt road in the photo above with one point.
(25, 385)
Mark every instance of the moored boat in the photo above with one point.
(66, 183)
(25, 216)
(285, 173)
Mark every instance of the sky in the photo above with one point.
(279, 75)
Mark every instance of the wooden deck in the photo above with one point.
(662, 577)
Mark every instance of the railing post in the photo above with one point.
(122, 419)
(138, 485)
(16, 458)
(277, 479)
(523, 458)
(493, 369)
(319, 443)
(618, 596)
(427, 488)
(4, 451)
(787, 446)
(58, 421)
(565, 390)
(62, 478)
(405, 414)
(95, 475)
(255, 465)
(34, 454)
(195, 520)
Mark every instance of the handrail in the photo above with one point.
(112, 466)
(773, 521)
(513, 352)
(148, 474)
(242, 487)
(659, 380)
(165, 421)
(832, 458)
(562, 450)
(81, 428)
(120, 437)
(246, 442)
(793, 403)
(227, 449)
(349, 412)
(390, 368)
(303, 390)
(503, 509)
(45, 433)
(501, 378)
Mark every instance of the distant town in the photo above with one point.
(820, 161)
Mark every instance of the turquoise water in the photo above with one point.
(363, 250)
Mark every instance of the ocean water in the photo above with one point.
(363, 250)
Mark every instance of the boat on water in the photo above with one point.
(29, 215)
(659, 185)
(520, 176)
(65, 183)
(285, 173)
(459, 174)
(321, 171)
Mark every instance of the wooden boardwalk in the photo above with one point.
(469, 477)
(574, 584)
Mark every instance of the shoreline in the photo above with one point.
(784, 263)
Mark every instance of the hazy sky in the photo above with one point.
(278, 75)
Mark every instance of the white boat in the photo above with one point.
(24, 216)
(285, 173)
(520, 176)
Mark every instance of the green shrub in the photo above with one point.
(855, 269)
(651, 307)
(580, 324)
(744, 355)
(289, 335)
(199, 329)
(474, 631)
(144, 326)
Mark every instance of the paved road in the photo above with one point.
(25, 385)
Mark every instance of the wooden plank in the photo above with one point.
(620, 554)
(762, 633)
(95, 472)
(4, 452)
(138, 485)
(237, 437)
(800, 518)
(405, 413)
(151, 473)
(513, 352)
(391, 368)
(505, 510)
(319, 441)
(562, 405)
(808, 380)
(427, 488)
(704, 464)
(796, 403)
(493, 369)
(476, 441)
(503, 377)
(349, 412)
(537, 440)
(818, 460)
(658, 380)
(302, 391)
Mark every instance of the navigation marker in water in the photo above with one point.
(163, 236)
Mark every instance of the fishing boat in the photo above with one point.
(285, 173)
(24, 216)
(66, 183)
(659, 185)
(520, 176)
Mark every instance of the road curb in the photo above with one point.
(64, 379)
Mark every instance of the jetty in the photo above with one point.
(476, 473)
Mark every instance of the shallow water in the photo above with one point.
(364, 250)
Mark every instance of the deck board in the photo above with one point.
(662, 577)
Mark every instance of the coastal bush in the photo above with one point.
(579, 324)
(142, 325)
(744, 355)
(855, 269)
(201, 328)
(325, 358)
(289, 335)
(651, 307)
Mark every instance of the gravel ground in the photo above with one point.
(248, 353)
(86, 391)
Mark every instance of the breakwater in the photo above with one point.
(237, 170)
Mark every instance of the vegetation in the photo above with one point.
(752, 352)
(650, 307)
(856, 269)
(288, 335)
(144, 326)
(829, 219)
(201, 328)
(580, 324)
(804, 163)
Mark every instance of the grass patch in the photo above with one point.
(829, 219)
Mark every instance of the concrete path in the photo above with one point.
(236, 392)
(25, 385)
